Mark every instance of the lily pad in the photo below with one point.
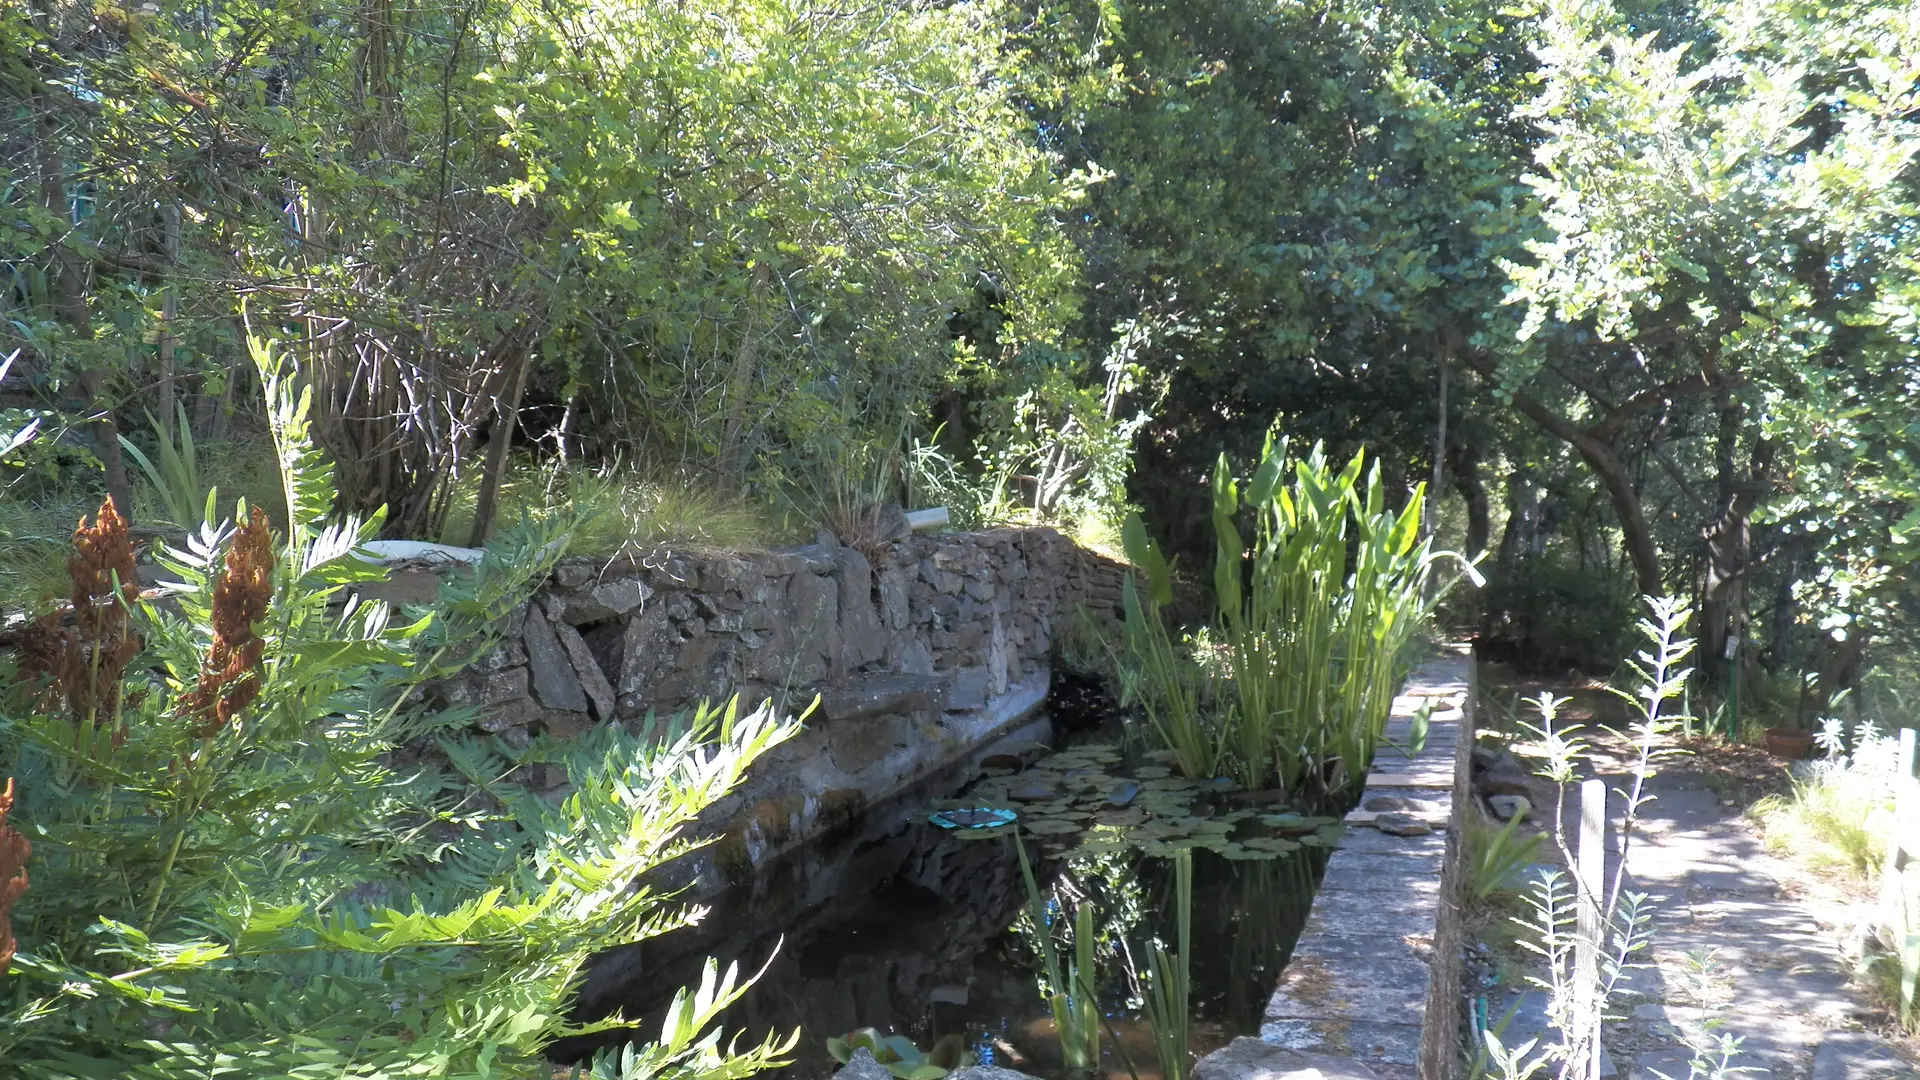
(1295, 824)
(1271, 843)
(1052, 826)
(1325, 836)
(1152, 772)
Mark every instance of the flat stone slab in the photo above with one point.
(882, 694)
(1329, 988)
(1424, 778)
(1366, 872)
(1394, 1044)
(1433, 845)
(1248, 1058)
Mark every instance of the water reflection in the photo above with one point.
(901, 927)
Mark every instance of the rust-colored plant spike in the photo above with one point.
(230, 676)
(14, 850)
(96, 653)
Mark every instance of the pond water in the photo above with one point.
(901, 926)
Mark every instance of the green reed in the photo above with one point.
(1298, 672)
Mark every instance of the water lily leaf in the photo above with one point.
(1212, 828)
(1152, 772)
(1167, 756)
(1241, 853)
(1325, 836)
(1293, 824)
(1099, 847)
(1121, 818)
(1052, 826)
(1271, 843)
(1167, 783)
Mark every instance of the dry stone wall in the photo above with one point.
(918, 657)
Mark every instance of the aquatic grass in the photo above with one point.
(1168, 688)
(1498, 858)
(1313, 623)
(1069, 991)
(1168, 996)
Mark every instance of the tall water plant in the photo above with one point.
(1169, 999)
(1068, 987)
(1312, 622)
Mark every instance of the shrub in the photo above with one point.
(229, 873)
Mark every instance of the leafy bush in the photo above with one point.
(216, 865)
(1555, 616)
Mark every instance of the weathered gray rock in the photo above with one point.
(1395, 824)
(814, 600)
(650, 644)
(554, 683)
(969, 691)
(487, 689)
(862, 1066)
(863, 639)
(593, 681)
(1504, 776)
(607, 600)
(1507, 807)
(1247, 1058)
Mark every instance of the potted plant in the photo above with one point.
(1792, 743)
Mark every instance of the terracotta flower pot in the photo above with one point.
(1790, 743)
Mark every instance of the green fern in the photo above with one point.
(279, 898)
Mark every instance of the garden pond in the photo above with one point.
(924, 931)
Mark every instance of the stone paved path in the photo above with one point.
(1780, 982)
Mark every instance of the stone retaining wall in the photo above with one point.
(918, 657)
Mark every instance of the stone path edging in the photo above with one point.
(1362, 984)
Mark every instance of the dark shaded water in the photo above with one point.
(897, 925)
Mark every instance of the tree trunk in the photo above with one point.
(1594, 445)
(506, 417)
(1472, 489)
(1439, 485)
(1728, 547)
(740, 383)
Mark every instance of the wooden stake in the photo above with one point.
(1590, 875)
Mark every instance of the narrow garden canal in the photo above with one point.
(919, 922)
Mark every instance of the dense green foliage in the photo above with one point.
(233, 870)
(1632, 284)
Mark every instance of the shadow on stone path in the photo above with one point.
(1779, 981)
